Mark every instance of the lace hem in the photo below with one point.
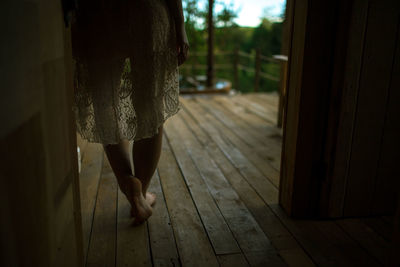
(152, 132)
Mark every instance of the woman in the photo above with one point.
(127, 54)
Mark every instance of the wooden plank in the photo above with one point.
(272, 98)
(271, 135)
(270, 224)
(217, 229)
(379, 226)
(191, 238)
(371, 107)
(351, 251)
(102, 241)
(232, 260)
(274, 101)
(253, 137)
(259, 162)
(325, 242)
(247, 135)
(247, 116)
(263, 113)
(162, 240)
(89, 182)
(133, 248)
(267, 103)
(267, 133)
(249, 235)
(263, 186)
(296, 257)
(372, 242)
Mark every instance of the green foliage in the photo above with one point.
(195, 34)
(228, 37)
(226, 16)
(267, 37)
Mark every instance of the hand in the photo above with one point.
(182, 44)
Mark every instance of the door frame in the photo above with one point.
(316, 50)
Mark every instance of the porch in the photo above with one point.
(217, 189)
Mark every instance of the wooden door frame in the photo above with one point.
(317, 49)
(69, 79)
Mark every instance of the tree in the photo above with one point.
(210, 44)
(267, 37)
(226, 28)
(193, 29)
(226, 16)
(262, 36)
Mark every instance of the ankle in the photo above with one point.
(144, 184)
(136, 186)
(123, 182)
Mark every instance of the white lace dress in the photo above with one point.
(126, 73)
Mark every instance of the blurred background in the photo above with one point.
(245, 39)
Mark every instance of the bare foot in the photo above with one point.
(150, 199)
(141, 209)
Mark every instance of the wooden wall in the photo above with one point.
(342, 125)
(365, 177)
(313, 26)
(39, 197)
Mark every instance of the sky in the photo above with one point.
(250, 11)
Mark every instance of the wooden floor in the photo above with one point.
(217, 193)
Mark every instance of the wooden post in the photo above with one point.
(194, 62)
(287, 25)
(257, 70)
(210, 56)
(282, 93)
(236, 68)
(282, 88)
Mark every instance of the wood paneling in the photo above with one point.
(311, 62)
(376, 69)
(340, 145)
(348, 106)
(364, 178)
(298, 12)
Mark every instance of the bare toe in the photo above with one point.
(150, 198)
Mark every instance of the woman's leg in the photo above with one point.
(146, 153)
(119, 160)
(129, 185)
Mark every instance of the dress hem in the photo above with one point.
(134, 139)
